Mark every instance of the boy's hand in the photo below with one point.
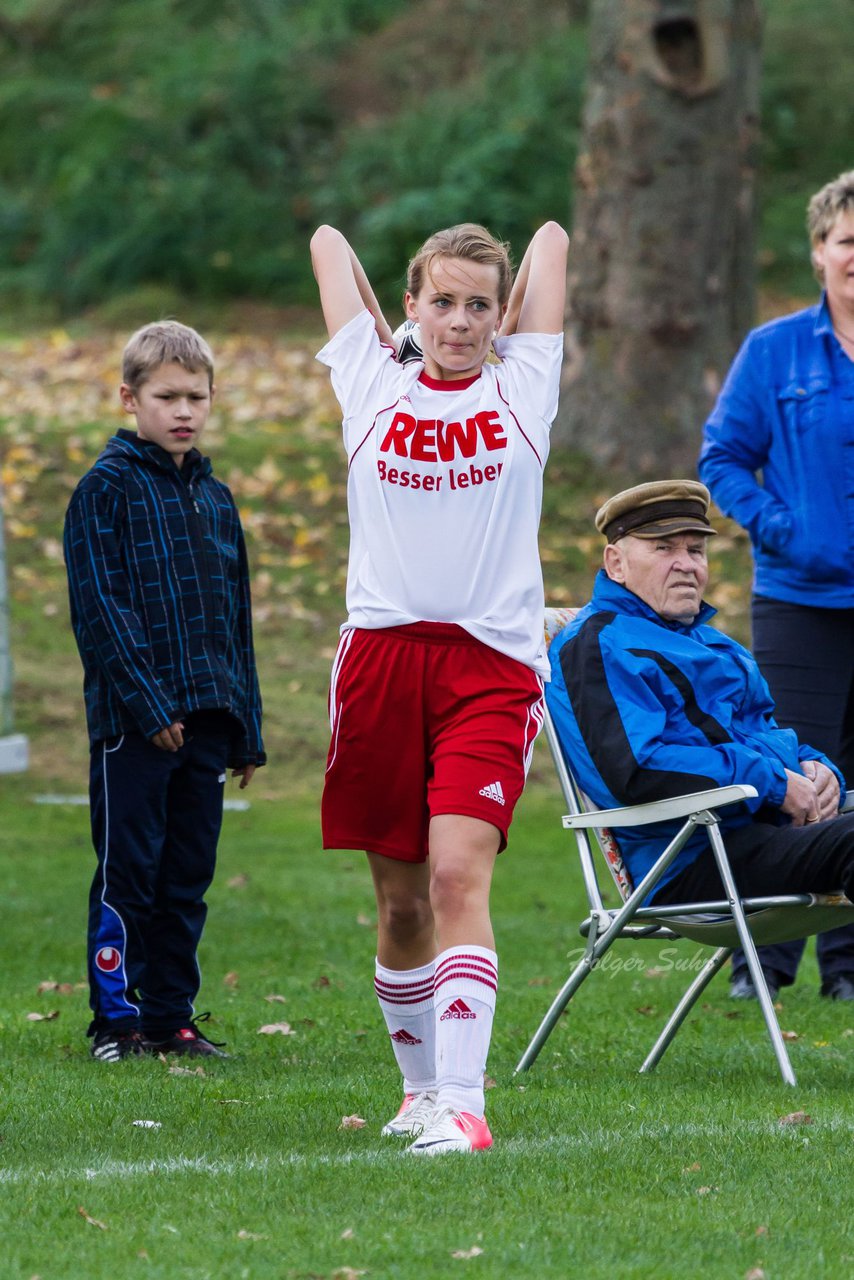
(245, 773)
(171, 739)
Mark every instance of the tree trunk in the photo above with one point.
(661, 273)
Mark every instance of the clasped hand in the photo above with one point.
(811, 796)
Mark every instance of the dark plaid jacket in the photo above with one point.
(159, 588)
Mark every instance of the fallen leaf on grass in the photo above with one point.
(539, 982)
(186, 1071)
(655, 972)
(349, 1234)
(849, 1031)
(43, 1017)
(249, 1235)
(352, 1122)
(645, 1009)
(232, 1102)
(276, 1029)
(61, 988)
(796, 1117)
(761, 1231)
(790, 1035)
(347, 1273)
(692, 1168)
(820, 1044)
(704, 1191)
(93, 1222)
(755, 1273)
(231, 980)
(321, 982)
(238, 882)
(365, 921)
(474, 1252)
(147, 1124)
(489, 1083)
(274, 999)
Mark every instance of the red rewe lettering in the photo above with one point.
(402, 427)
(494, 436)
(454, 438)
(425, 439)
(423, 448)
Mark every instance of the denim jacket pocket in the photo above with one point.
(803, 404)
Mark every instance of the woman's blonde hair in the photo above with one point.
(470, 242)
(824, 208)
(164, 342)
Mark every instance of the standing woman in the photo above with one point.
(436, 694)
(787, 410)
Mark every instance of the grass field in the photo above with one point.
(247, 1170)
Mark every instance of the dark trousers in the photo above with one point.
(156, 817)
(807, 657)
(817, 858)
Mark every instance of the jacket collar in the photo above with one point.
(128, 445)
(609, 595)
(823, 321)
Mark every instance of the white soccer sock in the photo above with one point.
(466, 987)
(406, 999)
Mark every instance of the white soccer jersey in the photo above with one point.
(445, 487)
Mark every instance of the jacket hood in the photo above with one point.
(127, 444)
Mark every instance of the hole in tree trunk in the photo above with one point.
(680, 50)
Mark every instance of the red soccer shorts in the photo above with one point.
(426, 720)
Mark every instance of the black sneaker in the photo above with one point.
(111, 1046)
(188, 1041)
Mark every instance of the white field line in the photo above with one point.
(555, 1145)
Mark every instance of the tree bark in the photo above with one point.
(661, 271)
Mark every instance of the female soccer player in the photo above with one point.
(436, 692)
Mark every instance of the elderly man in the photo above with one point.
(651, 702)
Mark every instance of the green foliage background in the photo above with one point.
(191, 145)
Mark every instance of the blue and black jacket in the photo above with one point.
(648, 710)
(159, 590)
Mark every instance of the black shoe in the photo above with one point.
(741, 986)
(839, 988)
(111, 1046)
(187, 1041)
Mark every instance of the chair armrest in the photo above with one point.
(639, 815)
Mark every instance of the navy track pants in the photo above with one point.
(156, 818)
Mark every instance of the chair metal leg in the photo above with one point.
(561, 1000)
(749, 948)
(592, 953)
(684, 1007)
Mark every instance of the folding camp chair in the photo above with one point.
(723, 924)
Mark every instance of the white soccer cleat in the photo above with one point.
(416, 1111)
(452, 1131)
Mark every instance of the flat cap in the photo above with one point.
(656, 510)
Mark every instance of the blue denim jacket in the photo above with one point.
(787, 410)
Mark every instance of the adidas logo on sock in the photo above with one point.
(403, 1037)
(493, 791)
(459, 1008)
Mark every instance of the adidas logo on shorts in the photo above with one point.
(459, 1009)
(493, 791)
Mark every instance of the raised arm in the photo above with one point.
(344, 288)
(538, 296)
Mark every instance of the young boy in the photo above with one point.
(159, 590)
